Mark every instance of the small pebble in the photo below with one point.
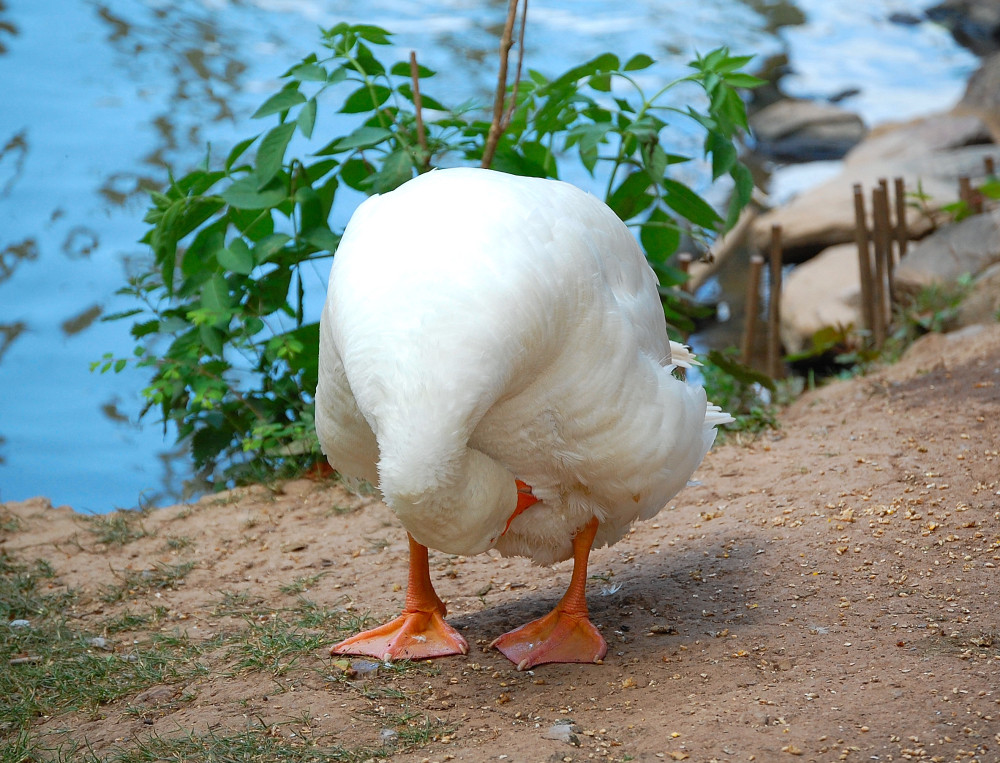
(388, 736)
(15, 624)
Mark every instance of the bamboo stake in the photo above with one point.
(774, 367)
(861, 238)
(752, 310)
(879, 295)
(902, 230)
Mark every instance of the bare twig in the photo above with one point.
(425, 154)
(497, 123)
(512, 103)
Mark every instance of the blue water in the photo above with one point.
(99, 98)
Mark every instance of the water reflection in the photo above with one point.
(12, 157)
(82, 321)
(7, 28)
(14, 255)
(8, 333)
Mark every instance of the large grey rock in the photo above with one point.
(825, 291)
(982, 304)
(801, 131)
(973, 23)
(930, 154)
(968, 247)
(982, 95)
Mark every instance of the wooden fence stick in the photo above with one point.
(879, 238)
(902, 230)
(861, 238)
(752, 310)
(774, 367)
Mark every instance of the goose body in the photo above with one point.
(482, 328)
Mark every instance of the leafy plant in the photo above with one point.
(748, 394)
(234, 245)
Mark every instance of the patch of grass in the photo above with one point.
(274, 646)
(127, 621)
(301, 584)
(9, 523)
(311, 615)
(118, 528)
(177, 543)
(135, 582)
(251, 746)
(51, 667)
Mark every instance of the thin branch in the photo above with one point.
(512, 105)
(496, 127)
(425, 154)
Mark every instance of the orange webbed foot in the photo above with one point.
(565, 634)
(420, 632)
(557, 637)
(415, 635)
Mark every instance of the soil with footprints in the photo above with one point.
(827, 591)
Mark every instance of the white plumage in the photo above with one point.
(481, 327)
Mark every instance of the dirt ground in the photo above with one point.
(828, 592)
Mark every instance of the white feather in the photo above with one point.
(481, 326)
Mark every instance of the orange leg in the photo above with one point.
(417, 634)
(566, 633)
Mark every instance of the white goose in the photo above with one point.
(494, 358)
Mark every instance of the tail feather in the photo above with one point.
(681, 355)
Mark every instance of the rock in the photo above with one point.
(968, 247)
(973, 23)
(802, 131)
(982, 95)
(825, 291)
(388, 736)
(931, 154)
(562, 732)
(15, 625)
(982, 304)
(938, 132)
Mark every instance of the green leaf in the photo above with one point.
(742, 79)
(310, 72)
(365, 99)
(689, 205)
(630, 197)
(600, 82)
(740, 372)
(402, 69)
(245, 194)
(606, 62)
(395, 170)
(215, 295)
(363, 137)
(322, 238)
(238, 150)
(271, 153)
(374, 34)
(237, 257)
(268, 247)
(307, 118)
(278, 102)
(355, 173)
(659, 236)
(637, 62)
